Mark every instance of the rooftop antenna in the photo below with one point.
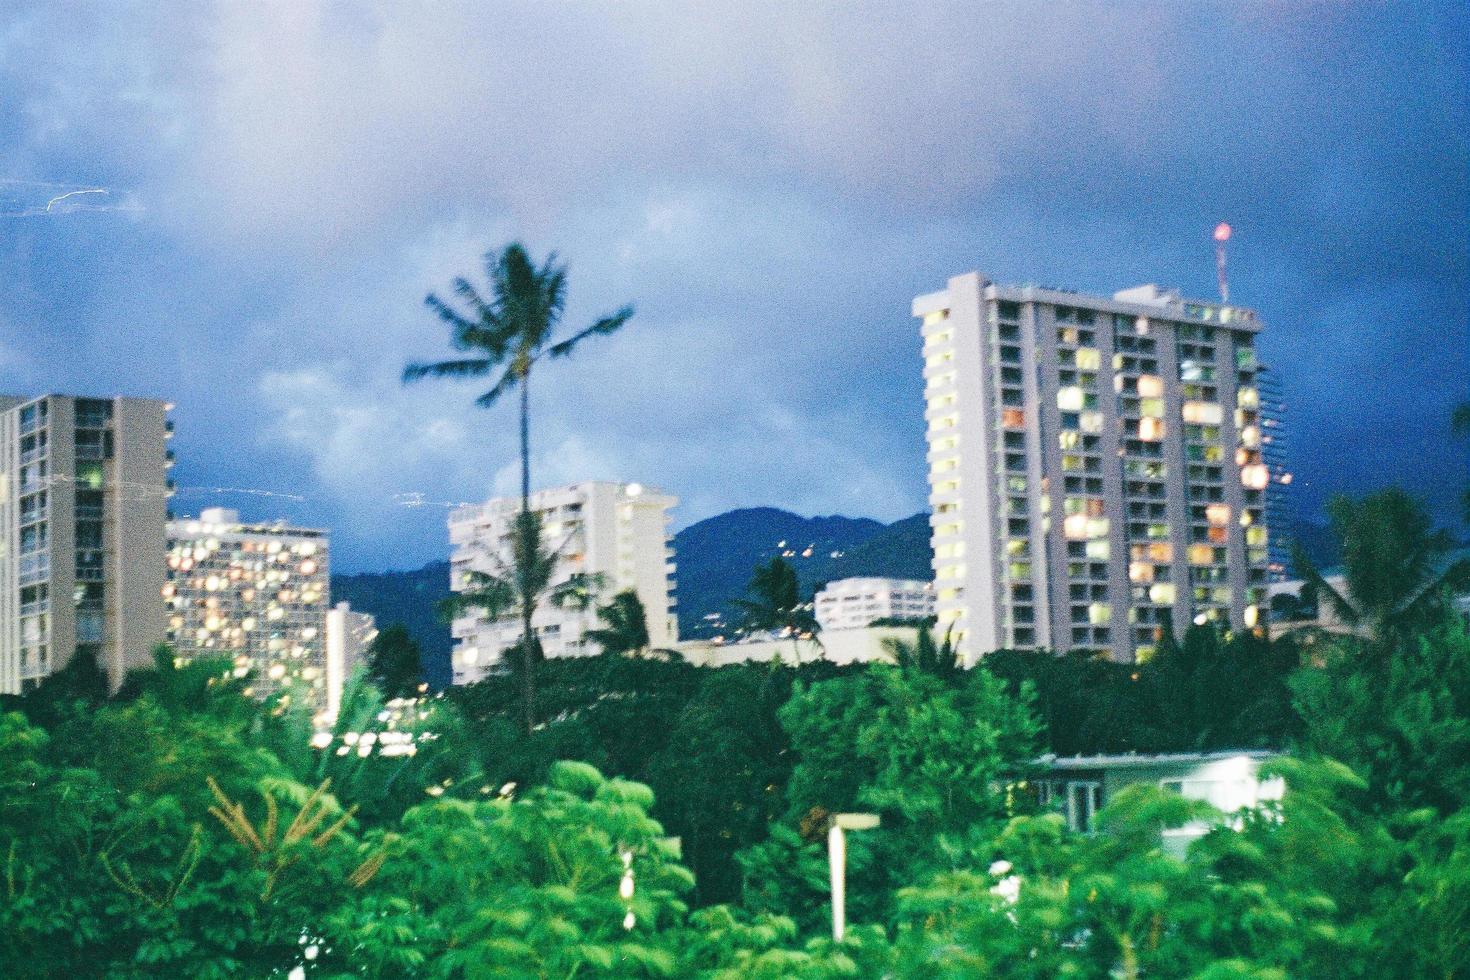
(1222, 235)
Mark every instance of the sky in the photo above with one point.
(768, 183)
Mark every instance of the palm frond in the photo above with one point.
(473, 368)
(507, 383)
(494, 595)
(456, 320)
(601, 328)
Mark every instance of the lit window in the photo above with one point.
(1203, 413)
(1255, 477)
(935, 316)
(1161, 593)
(1140, 571)
(1150, 386)
(1097, 550)
(1161, 551)
(1247, 398)
(1150, 429)
(1068, 439)
(1013, 418)
(1091, 422)
(1250, 437)
(1252, 616)
(1070, 399)
(1075, 527)
(1088, 359)
(942, 337)
(1256, 536)
(1099, 613)
(1097, 527)
(1218, 514)
(1201, 554)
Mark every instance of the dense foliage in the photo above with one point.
(180, 829)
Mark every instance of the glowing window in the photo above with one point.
(1250, 437)
(1256, 536)
(935, 316)
(1151, 406)
(1071, 462)
(1097, 527)
(942, 337)
(1088, 359)
(1140, 571)
(1099, 613)
(1218, 514)
(1150, 429)
(1070, 399)
(1068, 439)
(1247, 398)
(1075, 527)
(1255, 476)
(1097, 550)
(1203, 413)
(1013, 418)
(1091, 422)
(1150, 386)
(1201, 554)
(1161, 593)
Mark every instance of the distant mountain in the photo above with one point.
(410, 598)
(716, 556)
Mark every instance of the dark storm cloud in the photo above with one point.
(771, 183)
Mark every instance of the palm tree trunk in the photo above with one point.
(528, 661)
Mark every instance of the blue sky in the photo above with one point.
(770, 184)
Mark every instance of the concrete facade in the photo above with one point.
(840, 647)
(1095, 466)
(349, 635)
(616, 531)
(83, 502)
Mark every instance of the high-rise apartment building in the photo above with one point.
(83, 500)
(854, 603)
(1095, 466)
(257, 593)
(615, 532)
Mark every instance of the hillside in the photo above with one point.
(716, 556)
(410, 598)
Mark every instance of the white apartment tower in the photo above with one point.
(1095, 466)
(854, 603)
(350, 634)
(83, 500)
(255, 593)
(618, 531)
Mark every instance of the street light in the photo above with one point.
(837, 858)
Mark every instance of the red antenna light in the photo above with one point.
(1222, 235)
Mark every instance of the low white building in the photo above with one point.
(616, 531)
(1080, 786)
(349, 635)
(840, 647)
(854, 603)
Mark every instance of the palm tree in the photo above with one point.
(626, 631)
(1396, 573)
(517, 587)
(942, 659)
(776, 604)
(510, 333)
